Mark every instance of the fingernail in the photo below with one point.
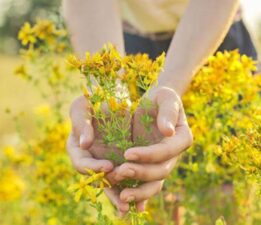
(131, 157)
(170, 126)
(82, 139)
(130, 199)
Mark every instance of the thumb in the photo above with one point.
(168, 113)
(81, 119)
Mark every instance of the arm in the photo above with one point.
(93, 23)
(200, 32)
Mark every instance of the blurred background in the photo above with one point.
(20, 99)
(13, 14)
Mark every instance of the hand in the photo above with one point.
(84, 143)
(169, 137)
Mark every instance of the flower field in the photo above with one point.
(217, 180)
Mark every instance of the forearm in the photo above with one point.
(198, 35)
(92, 23)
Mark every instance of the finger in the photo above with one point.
(142, 192)
(82, 159)
(142, 172)
(114, 195)
(168, 111)
(141, 206)
(168, 148)
(81, 119)
(167, 117)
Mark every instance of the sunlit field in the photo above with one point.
(217, 180)
(45, 176)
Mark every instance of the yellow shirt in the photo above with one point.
(151, 16)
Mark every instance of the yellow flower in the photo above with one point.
(21, 71)
(12, 186)
(248, 63)
(56, 76)
(15, 156)
(47, 195)
(60, 32)
(85, 92)
(124, 105)
(97, 107)
(113, 104)
(86, 187)
(83, 189)
(60, 47)
(43, 110)
(9, 151)
(74, 62)
(44, 30)
(133, 90)
(27, 35)
(160, 60)
(134, 106)
(96, 58)
(30, 54)
(99, 92)
(52, 221)
(97, 177)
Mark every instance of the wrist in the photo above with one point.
(175, 78)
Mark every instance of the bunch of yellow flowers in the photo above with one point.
(114, 88)
(43, 36)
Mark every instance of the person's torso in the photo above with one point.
(152, 16)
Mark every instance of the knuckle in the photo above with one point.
(139, 170)
(124, 167)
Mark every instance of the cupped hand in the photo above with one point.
(170, 135)
(86, 148)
